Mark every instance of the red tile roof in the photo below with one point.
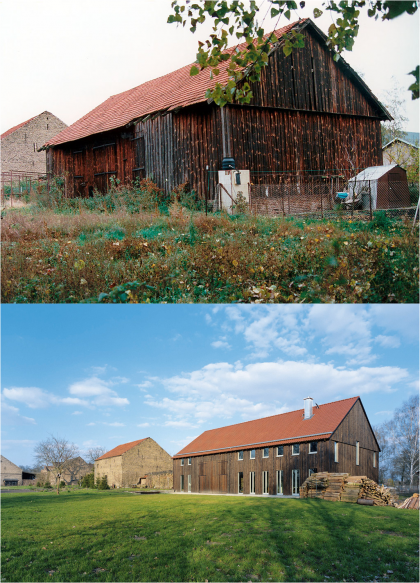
(8, 132)
(176, 89)
(270, 431)
(120, 449)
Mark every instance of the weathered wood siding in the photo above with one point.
(219, 472)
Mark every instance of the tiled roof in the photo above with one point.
(270, 431)
(8, 132)
(176, 89)
(120, 449)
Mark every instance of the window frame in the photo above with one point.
(239, 482)
(182, 461)
(268, 452)
(265, 482)
(357, 453)
(189, 461)
(310, 443)
(374, 459)
(335, 452)
(251, 457)
(282, 451)
(293, 446)
(252, 483)
(239, 454)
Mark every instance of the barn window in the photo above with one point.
(252, 454)
(279, 450)
(313, 447)
(279, 482)
(295, 449)
(265, 452)
(265, 482)
(189, 461)
(182, 462)
(357, 453)
(374, 459)
(240, 455)
(336, 451)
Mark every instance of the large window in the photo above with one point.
(313, 447)
(279, 450)
(295, 482)
(252, 454)
(182, 462)
(279, 482)
(240, 483)
(295, 449)
(189, 483)
(265, 482)
(182, 483)
(374, 459)
(240, 455)
(252, 482)
(357, 454)
(265, 452)
(336, 451)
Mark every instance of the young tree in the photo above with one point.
(240, 18)
(387, 451)
(395, 105)
(57, 453)
(94, 453)
(404, 435)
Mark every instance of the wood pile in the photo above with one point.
(410, 503)
(345, 488)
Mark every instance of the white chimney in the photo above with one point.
(307, 408)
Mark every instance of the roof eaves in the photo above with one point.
(400, 140)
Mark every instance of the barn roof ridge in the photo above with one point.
(121, 449)
(400, 140)
(222, 436)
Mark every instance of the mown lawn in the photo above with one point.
(54, 257)
(113, 536)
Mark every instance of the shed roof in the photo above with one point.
(120, 449)
(175, 90)
(373, 172)
(270, 431)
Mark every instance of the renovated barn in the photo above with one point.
(308, 113)
(274, 455)
(137, 463)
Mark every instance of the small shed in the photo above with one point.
(387, 186)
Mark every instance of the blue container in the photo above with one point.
(342, 195)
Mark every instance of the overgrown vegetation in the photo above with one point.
(114, 536)
(131, 247)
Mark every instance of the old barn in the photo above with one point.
(276, 454)
(308, 113)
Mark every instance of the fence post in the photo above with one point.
(370, 202)
(322, 208)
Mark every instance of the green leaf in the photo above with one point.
(194, 71)
(287, 50)
(317, 13)
(274, 12)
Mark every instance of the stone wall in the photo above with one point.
(10, 471)
(160, 480)
(112, 468)
(19, 149)
(145, 458)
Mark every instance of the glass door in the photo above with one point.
(279, 482)
(240, 483)
(295, 482)
(182, 483)
(252, 482)
(265, 482)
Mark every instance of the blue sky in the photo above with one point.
(106, 375)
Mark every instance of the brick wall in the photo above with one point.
(145, 458)
(10, 471)
(112, 468)
(19, 149)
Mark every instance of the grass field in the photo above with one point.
(113, 536)
(86, 256)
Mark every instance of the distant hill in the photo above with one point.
(412, 137)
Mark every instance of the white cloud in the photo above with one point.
(384, 413)
(99, 389)
(114, 424)
(11, 416)
(221, 343)
(77, 413)
(388, 341)
(179, 424)
(208, 319)
(143, 425)
(403, 319)
(144, 385)
(90, 424)
(32, 396)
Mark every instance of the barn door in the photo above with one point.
(139, 170)
(105, 165)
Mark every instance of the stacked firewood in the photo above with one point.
(352, 488)
(335, 487)
(314, 486)
(410, 503)
(380, 495)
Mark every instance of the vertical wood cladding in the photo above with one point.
(354, 426)
(306, 114)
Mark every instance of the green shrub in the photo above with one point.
(102, 484)
(47, 485)
(88, 481)
(62, 484)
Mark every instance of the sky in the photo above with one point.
(67, 57)
(107, 375)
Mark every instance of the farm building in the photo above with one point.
(11, 474)
(276, 454)
(307, 113)
(20, 145)
(401, 152)
(142, 462)
(386, 186)
(75, 469)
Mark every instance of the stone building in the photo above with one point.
(11, 474)
(142, 462)
(76, 469)
(20, 144)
